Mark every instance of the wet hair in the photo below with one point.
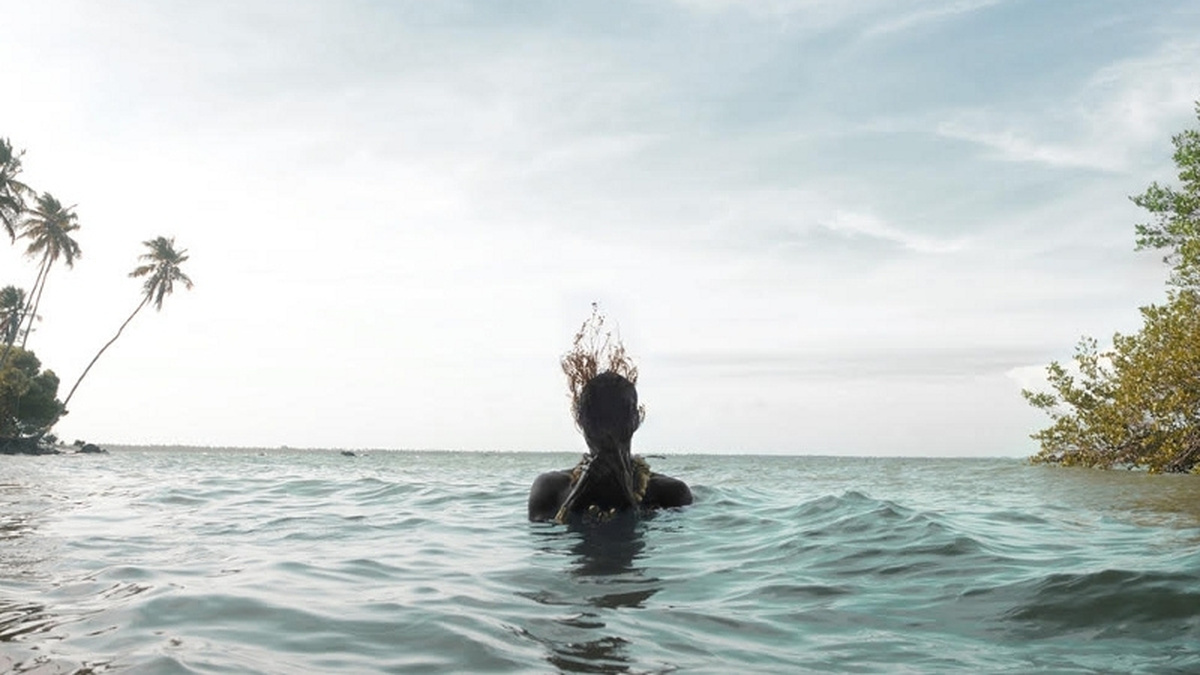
(597, 351)
(608, 406)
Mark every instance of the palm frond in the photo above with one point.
(48, 228)
(162, 270)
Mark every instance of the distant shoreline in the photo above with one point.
(650, 454)
(27, 446)
(37, 447)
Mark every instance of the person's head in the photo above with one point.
(607, 412)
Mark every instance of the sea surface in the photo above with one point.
(239, 561)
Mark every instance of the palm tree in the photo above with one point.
(49, 228)
(12, 309)
(12, 191)
(161, 271)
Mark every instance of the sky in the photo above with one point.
(820, 227)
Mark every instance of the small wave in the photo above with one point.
(425, 563)
(796, 592)
(1111, 600)
(861, 535)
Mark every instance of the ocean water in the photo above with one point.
(234, 561)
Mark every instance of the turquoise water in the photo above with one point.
(178, 561)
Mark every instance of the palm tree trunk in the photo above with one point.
(37, 300)
(106, 346)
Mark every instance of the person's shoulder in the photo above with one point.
(666, 492)
(547, 493)
(552, 479)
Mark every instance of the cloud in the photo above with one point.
(829, 11)
(866, 363)
(808, 220)
(927, 16)
(1029, 377)
(1010, 146)
(1122, 112)
(853, 224)
(1140, 100)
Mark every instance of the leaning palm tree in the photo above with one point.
(12, 191)
(161, 271)
(49, 228)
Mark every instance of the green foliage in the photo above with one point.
(12, 308)
(1137, 405)
(28, 403)
(27, 396)
(1176, 212)
(48, 229)
(12, 191)
(161, 269)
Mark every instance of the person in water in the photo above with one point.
(609, 480)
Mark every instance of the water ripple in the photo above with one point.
(175, 561)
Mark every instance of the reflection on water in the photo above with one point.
(18, 619)
(607, 552)
(19, 519)
(24, 551)
(604, 568)
(26, 506)
(1155, 500)
(607, 549)
(13, 525)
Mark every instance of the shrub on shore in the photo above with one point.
(28, 403)
(1137, 405)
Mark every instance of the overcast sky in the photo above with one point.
(822, 226)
